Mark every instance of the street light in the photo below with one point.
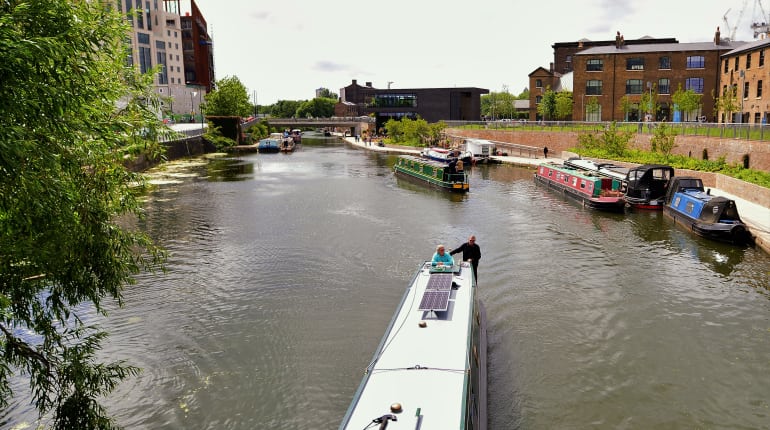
(192, 105)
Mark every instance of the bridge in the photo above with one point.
(354, 124)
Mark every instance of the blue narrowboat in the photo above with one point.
(712, 217)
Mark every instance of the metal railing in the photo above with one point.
(758, 132)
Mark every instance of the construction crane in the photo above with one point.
(732, 29)
(761, 23)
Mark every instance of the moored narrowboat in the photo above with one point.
(431, 173)
(712, 217)
(605, 169)
(646, 186)
(430, 369)
(589, 188)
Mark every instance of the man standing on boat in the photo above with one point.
(471, 252)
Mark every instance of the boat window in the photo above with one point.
(676, 202)
(582, 183)
(574, 181)
(690, 206)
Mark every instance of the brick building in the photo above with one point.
(616, 83)
(430, 104)
(743, 76)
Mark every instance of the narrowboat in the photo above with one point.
(287, 145)
(446, 155)
(646, 186)
(712, 217)
(589, 188)
(605, 169)
(431, 173)
(429, 371)
(272, 143)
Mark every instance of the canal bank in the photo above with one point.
(755, 215)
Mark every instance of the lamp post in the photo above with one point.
(192, 105)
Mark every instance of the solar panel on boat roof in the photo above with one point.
(434, 300)
(440, 281)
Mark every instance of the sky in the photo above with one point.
(286, 49)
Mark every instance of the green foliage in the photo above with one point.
(215, 136)
(686, 101)
(663, 139)
(498, 105)
(563, 107)
(547, 106)
(316, 108)
(259, 131)
(414, 132)
(285, 108)
(612, 140)
(69, 106)
(728, 102)
(326, 94)
(228, 99)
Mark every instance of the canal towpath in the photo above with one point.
(756, 217)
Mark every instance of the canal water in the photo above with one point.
(285, 270)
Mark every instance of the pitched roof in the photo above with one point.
(661, 47)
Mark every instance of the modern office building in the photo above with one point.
(178, 43)
(743, 76)
(430, 104)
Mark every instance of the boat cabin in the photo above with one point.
(583, 182)
(648, 181)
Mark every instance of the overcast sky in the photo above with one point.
(286, 49)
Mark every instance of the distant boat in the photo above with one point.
(446, 155)
(272, 143)
(712, 217)
(287, 144)
(431, 173)
(592, 190)
(430, 370)
(481, 150)
(296, 135)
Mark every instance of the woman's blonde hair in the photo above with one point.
(439, 247)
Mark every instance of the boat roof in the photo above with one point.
(424, 369)
(585, 174)
(423, 160)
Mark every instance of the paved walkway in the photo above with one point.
(756, 217)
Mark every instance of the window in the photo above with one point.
(664, 86)
(735, 65)
(594, 112)
(759, 89)
(748, 61)
(594, 65)
(538, 83)
(697, 62)
(538, 99)
(727, 65)
(724, 91)
(634, 86)
(745, 90)
(594, 87)
(757, 117)
(145, 59)
(761, 57)
(695, 84)
(664, 63)
(143, 38)
(636, 63)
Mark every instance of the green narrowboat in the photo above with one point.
(432, 173)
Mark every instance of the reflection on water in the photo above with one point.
(285, 270)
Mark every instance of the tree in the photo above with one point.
(649, 102)
(686, 101)
(612, 140)
(547, 106)
(316, 108)
(627, 106)
(285, 108)
(66, 201)
(728, 103)
(326, 94)
(563, 108)
(228, 99)
(663, 139)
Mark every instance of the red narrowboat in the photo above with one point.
(589, 188)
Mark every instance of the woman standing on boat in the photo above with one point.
(471, 252)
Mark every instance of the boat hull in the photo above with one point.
(604, 204)
(431, 174)
(733, 233)
(430, 368)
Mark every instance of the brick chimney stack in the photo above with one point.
(717, 37)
